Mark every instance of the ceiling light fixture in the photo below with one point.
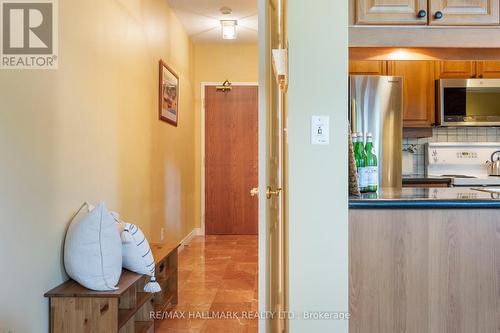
(229, 29)
(226, 11)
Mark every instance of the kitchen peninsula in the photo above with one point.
(424, 260)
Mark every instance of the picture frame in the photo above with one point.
(168, 95)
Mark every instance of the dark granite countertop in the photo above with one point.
(426, 198)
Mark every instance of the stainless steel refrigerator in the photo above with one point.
(376, 106)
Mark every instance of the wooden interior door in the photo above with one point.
(464, 12)
(276, 171)
(231, 160)
(391, 12)
(418, 91)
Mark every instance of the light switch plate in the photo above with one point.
(320, 130)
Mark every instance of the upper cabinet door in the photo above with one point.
(450, 69)
(367, 67)
(391, 11)
(488, 69)
(418, 91)
(464, 12)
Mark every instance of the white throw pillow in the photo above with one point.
(137, 255)
(93, 249)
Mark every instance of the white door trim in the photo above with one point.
(202, 142)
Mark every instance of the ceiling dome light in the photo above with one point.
(229, 29)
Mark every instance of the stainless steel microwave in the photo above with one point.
(469, 102)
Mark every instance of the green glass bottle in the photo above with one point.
(354, 137)
(360, 155)
(371, 165)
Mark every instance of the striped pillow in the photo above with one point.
(137, 255)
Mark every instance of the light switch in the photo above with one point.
(320, 130)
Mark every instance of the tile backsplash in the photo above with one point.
(414, 163)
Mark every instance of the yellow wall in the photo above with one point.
(217, 62)
(89, 131)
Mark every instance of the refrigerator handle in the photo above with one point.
(353, 115)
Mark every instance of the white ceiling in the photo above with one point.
(201, 18)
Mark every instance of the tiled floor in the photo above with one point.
(218, 276)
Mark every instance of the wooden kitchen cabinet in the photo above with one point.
(407, 12)
(418, 91)
(367, 67)
(488, 69)
(450, 69)
(424, 270)
(464, 12)
(427, 12)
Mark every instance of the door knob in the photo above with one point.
(438, 15)
(254, 192)
(270, 192)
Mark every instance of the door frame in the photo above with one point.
(202, 143)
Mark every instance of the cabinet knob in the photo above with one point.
(422, 13)
(438, 15)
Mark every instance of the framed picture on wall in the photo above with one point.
(168, 95)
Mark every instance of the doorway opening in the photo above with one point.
(219, 270)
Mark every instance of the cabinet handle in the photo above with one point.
(421, 13)
(438, 15)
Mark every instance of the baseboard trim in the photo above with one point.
(185, 242)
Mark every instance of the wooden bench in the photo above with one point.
(166, 262)
(75, 309)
